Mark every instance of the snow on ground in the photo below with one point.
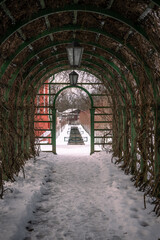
(60, 143)
(75, 196)
(63, 148)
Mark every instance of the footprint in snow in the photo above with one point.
(134, 216)
(134, 209)
(143, 224)
(49, 180)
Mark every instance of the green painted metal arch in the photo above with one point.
(112, 65)
(109, 81)
(76, 7)
(64, 69)
(66, 28)
(6, 64)
(106, 77)
(57, 67)
(108, 50)
(48, 76)
(51, 74)
(85, 90)
(91, 44)
(123, 92)
(88, 61)
(98, 46)
(69, 69)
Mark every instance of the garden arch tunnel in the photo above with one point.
(121, 48)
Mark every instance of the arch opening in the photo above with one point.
(91, 100)
(73, 106)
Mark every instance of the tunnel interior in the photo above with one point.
(121, 49)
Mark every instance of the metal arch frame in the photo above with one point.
(64, 65)
(101, 11)
(85, 60)
(23, 46)
(92, 113)
(61, 70)
(132, 141)
(107, 50)
(32, 55)
(85, 90)
(82, 65)
(62, 29)
(75, 7)
(64, 69)
(54, 67)
(88, 53)
(57, 54)
(68, 69)
(54, 118)
(156, 1)
(112, 75)
(110, 81)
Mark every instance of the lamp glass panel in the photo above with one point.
(74, 55)
(70, 55)
(73, 76)
(77, 55)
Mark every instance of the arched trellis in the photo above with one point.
(93, 63)
(75, 7)
(109, 81)
(124, 105)
(6, 64)
(112, 65)
(70, 8)
(54, 118)
(61, 66)
(130, 48)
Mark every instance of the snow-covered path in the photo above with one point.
(87, 198)
(75, 197)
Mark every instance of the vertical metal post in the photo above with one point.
(120, 132)
(124, 131)
(157, 140)
(54, 131)
(92, 110)
(143, 138)
(133, 142)
(16, 127)
(6, 155)
(22, 126)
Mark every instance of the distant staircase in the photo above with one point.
(75, 137)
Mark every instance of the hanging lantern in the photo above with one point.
(73, 77)
(74, 52)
